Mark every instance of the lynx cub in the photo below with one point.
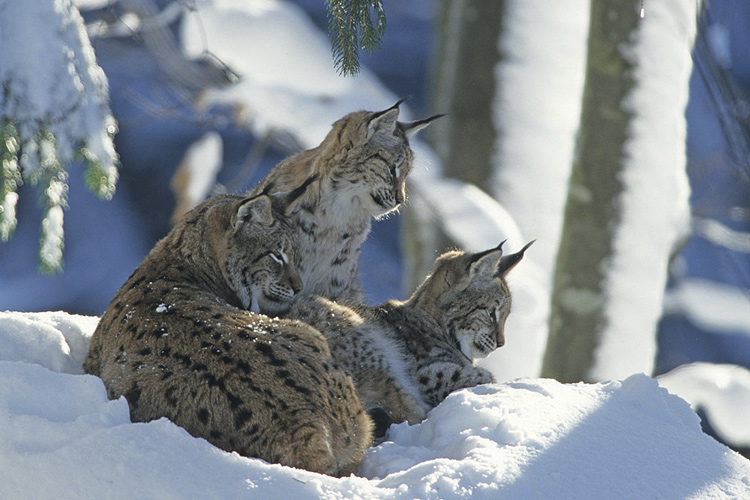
(362, 166)
(177, 342)
(406, 357)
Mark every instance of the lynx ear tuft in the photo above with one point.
(412, 128)
(509, 262)
(258, 209)
(285, 202)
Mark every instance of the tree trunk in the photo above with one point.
(592, 210)
(464, 87)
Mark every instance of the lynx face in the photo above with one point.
(470, 291)
(375, 168)
(260, 258)
(478, 321)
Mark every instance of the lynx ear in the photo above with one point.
(509, 262)
(385, 120)
(412, 128)
(285, 202)
(484, 264)
(257, 209)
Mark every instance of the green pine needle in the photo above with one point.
(350, 25)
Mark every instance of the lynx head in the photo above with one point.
(469, 292)
(371, 171)
(259, 252)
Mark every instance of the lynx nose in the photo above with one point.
(400, 196)
(296, 283)
(500, 339)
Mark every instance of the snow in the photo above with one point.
(654, 203)
(527, 438)
(723, 391)
(64, 92)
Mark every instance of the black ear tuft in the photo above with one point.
(412, 128)
(508, 262)
(283, 202)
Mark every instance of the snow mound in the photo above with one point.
(534, 438)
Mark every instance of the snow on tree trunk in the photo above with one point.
(627, 200)
(54, 107)
(536, 113)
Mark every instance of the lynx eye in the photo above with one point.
(278, 258)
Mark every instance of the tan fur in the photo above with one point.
(406, 357)
(362, 166)
(177, 342)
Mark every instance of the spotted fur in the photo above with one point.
(362, 166)
(178, 342)
(406, 357)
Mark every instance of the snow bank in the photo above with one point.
(62, 438)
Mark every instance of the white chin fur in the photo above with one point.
(255, 307)
(466, 349)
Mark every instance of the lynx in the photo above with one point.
(362, 166)
(178, 342)
(406, 357)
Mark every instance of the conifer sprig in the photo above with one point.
(351, 26)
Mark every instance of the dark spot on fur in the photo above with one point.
(214, 434)
(184, 358)
(199, 367)
(145, 351)
(234, 401)
(291, 383)
(455, 376)
(203, 415)
(242, 417)
(169, 396)
(424, 380)
(243, 365)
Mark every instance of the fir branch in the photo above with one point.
(350, 23)
(55, 200)
(10, 179)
